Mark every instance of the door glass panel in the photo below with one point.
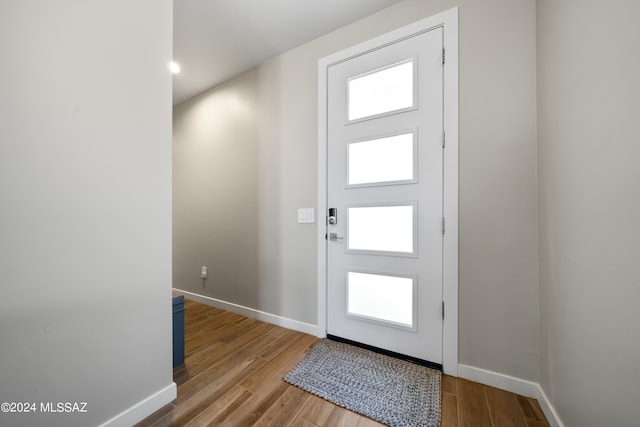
(388, 159)
(380, 297)
(381, 91)
(381, 228)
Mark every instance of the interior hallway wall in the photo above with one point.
(273, 266)
(589, 162)
(215, 192)
(85, 216)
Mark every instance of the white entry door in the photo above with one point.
(385, 194)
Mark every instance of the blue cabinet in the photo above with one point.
(178, 330)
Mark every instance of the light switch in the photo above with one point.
(306, 216)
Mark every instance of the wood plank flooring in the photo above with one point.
(233, 372)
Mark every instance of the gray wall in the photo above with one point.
(589, 160)
(215, 192)
(245, 160)
(85, 193)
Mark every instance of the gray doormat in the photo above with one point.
(392, 391)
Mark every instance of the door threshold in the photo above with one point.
(417, 361)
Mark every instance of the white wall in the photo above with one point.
(589, 166)
(215, 186)
(85, 191)
(498, 211)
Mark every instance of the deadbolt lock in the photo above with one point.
(333, 216)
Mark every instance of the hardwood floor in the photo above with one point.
(233, 372)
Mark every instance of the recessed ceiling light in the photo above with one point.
(174, 67)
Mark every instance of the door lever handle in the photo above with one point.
(334, 237)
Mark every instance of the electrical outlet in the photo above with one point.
(203, 273)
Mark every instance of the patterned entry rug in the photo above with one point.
(392, 391)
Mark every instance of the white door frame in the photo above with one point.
(449, 21)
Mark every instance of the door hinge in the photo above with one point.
(442, 310)
(442, 56)
(443, 226)
(444, 137)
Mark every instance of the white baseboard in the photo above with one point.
(296, 325)
(548, 409)
(495, 379)
(144, 408)
(514, 385)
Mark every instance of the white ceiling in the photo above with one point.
(215, 40)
